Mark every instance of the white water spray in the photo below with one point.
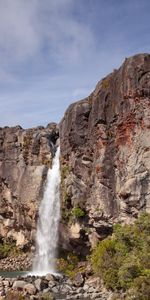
(47, 228)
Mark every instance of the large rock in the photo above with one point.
(30, 289)
(78, 280)
(19, 285)
(105, 153)
(25, 156)
(41, 284)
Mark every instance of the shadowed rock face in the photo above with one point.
(105, 152)
(25, 156)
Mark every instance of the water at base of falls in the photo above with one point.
(47, 227)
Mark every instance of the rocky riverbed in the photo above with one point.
(83, 286)
(54, 287)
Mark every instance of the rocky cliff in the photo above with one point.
(25, 156)
(105, 162)
(105, 154)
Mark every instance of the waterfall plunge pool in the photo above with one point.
(13, 274)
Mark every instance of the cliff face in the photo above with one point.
(25, 156)
(105, 154)
(105, 162)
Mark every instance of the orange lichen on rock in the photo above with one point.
(125, 130)
(98, 168)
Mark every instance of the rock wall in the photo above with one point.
(25, 156)
(105, 162)
(105, 155)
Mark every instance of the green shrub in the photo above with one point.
(77, 212)
(128, 271)
(140, 289)
(67, 265)
(46, 296)
(123, 260)
(8, 248)
(106, 260)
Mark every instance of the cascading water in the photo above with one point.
(47, 228)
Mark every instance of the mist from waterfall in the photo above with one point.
(47, 227)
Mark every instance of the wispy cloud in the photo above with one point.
(29, 28)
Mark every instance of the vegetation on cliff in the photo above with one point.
(8, 248)
(123, 260)
(68, 265)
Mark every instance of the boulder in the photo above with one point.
(19, 285)
(30, 289)
(78, 280)
(41, 284)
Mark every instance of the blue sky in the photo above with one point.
(53, 52)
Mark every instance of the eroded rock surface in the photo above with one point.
(105, 154)
(25, 156)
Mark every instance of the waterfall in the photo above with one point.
(47, 227)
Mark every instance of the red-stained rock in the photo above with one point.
(110, 128)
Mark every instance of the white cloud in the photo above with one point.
(26, 27)
(53, 52)
(18, 36)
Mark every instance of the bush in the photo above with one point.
(68, 265)
(77, 212)
(123, 260)
(8, 248)
(128, 271)
(15, 296)
(106, 260)
(140, 289)
(46, 296)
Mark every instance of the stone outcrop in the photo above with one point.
(105, 154)
(25, 156)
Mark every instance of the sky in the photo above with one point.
(53, 52)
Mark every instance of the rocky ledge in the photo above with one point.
(54, 287)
